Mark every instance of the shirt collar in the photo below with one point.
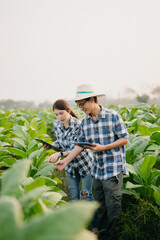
(100, 115)
(71, 123)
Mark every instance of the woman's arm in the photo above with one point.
(61, 164)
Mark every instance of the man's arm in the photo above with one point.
(118, 143)
(61, 164)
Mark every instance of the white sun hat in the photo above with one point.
(86, 91)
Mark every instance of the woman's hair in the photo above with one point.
(61, 104)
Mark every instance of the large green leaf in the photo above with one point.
(145, 168)
(17, 152)
(21, 132)
(1, 129)
(136, 146)
(8, 161)
(63, 224)
(13, 177)
(36, 153)
(31, 197)
(156, 194)
(148, 117)
(45, 169)
(157, 197)
(131, 185)
(146, 129)
(153, 147)
(39, 181)
(3, 144)
(10, 218)
(3, 152)
(156, 137)
(142, 145)
(51, 198)
(20, 142)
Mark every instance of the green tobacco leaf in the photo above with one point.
(131, 169)
(142, 145)
(146, 166)
(155, 137)
(17, 152)
(131, 192)
(3, 152)
(32, 149)
(45, 169)
(64, 223)
(157, 197)
(30, 198)
(148, 117)
(153, 147)
(156, 194)
(136, 147)
(131, 185)
(51, 198)
(10, 218)
(41, 160)
(155, 188)
(1, 129)
(4, 144)
(13, 177)
(20, 142)
(146, 129)
(40, 181)
(8, 162)
(85, 235)
(36, 153)
(21, 132)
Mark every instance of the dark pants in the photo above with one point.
(109, 194)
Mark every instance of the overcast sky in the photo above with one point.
(48, 47)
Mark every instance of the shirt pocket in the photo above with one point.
(107, 135)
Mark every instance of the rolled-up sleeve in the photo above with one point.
(120, 127)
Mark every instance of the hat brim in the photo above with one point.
(84, 96)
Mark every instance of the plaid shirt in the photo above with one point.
(65, 138)
(106, 129)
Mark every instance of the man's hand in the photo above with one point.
(97, 147)
(54, 157)
(61, 164)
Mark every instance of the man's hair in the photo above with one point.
(95, 99)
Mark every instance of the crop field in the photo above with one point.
(34, 202)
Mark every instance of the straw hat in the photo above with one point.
(86, 91)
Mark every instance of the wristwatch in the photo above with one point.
(61, 154)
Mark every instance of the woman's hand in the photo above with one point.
(45, 146)
(54, 157)
(61, 164)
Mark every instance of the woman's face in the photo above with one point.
(62, 115)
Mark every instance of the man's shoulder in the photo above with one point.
(108, 111)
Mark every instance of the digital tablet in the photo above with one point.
(83, 144)
(48, 144)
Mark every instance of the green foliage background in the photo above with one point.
(35, 195)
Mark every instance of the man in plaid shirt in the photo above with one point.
(105, 129)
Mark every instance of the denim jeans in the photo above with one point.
(109, 194)
(81, 188)
(85, 191)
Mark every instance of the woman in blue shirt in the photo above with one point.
(67, 129)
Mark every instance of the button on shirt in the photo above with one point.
(106, 129)
(65, 138)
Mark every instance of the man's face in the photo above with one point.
(85, 105)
